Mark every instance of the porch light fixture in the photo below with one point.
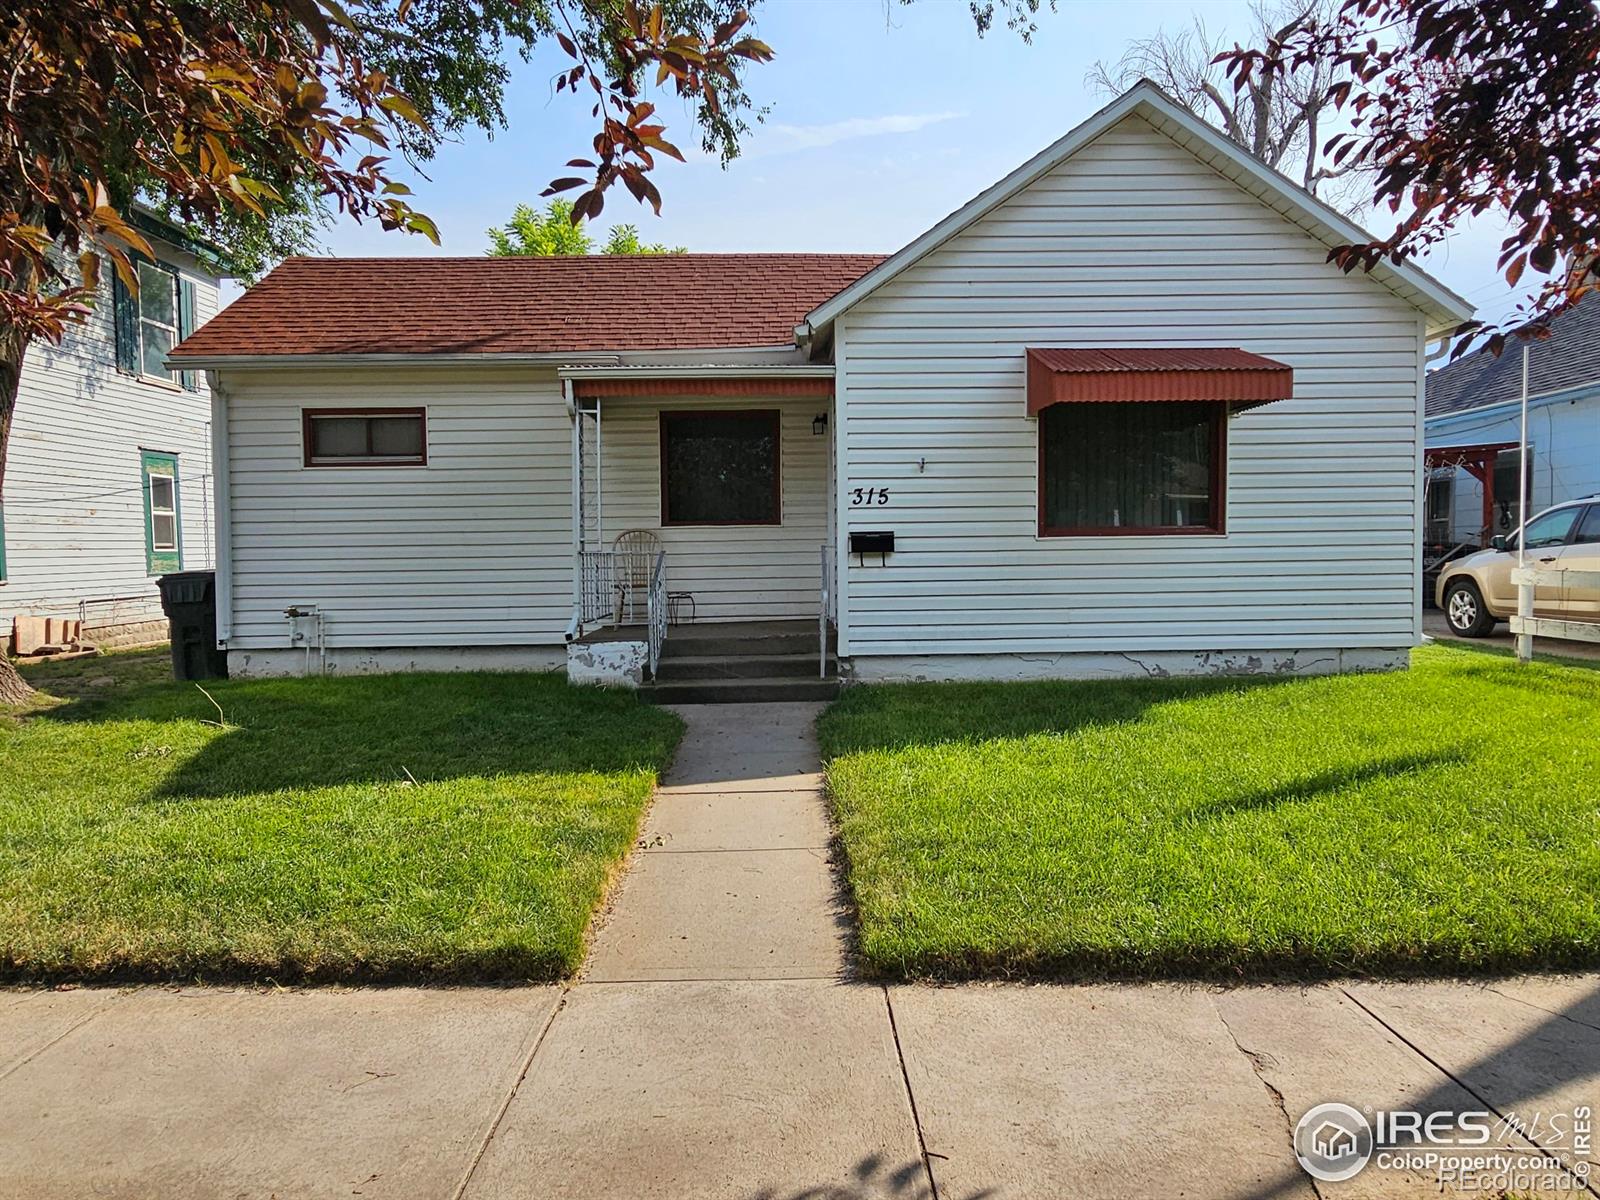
(819, 424)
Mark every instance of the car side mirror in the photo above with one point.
(1500, 542)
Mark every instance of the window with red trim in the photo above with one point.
(1140, 467)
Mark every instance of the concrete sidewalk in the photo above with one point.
(718, 1047)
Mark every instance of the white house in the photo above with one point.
(107, 481)
(1474, 424)
(1117, 415)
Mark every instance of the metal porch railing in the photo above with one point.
(824, 610)
(597, 596)
(656, 610)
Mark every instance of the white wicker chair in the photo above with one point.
(633, 558)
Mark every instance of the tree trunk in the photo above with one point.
(13, 688)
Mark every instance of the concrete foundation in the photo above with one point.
(1151, 664)
(607, 663)
(387, 660)
(124, 635)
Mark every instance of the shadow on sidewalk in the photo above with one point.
(1538, 1062)
(874, 1178)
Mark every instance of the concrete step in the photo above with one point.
(762, 689)
(741, 666)
(707, 641)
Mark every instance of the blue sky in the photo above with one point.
(883, 119)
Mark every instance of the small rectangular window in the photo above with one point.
(720, 468)
(366, 437)
(1131, 467)
(158, 318)
(163, 516)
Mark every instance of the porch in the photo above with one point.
(717, 662)
(702, 522)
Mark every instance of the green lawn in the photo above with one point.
(399, 827)
(1439, 820)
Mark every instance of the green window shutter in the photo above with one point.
(125, 317)
(189, 379)
(163, 513)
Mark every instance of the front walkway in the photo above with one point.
(717, 1047)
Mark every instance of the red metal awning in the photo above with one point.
(1110, 374)
(763, 387)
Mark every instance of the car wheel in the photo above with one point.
(1465, 611)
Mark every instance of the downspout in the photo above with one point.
(221, 507)
(841, 484)
(574, 625)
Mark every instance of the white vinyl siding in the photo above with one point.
(74, 492)
(1130, 242)
(473, 549)
(735, 572)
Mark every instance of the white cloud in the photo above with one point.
(784, 139)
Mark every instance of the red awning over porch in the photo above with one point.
(762, 386)
(1102, 374)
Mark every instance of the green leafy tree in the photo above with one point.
(624, 239)
(531, 232)
(252, 122)
(1457, 108)
(553, 231)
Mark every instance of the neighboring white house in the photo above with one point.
(1475, 405)
(1117, 415)
(107, 481)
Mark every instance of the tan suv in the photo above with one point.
(1476, 591)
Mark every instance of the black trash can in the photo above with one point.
(189, 598)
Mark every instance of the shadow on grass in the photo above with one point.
(1224, 963)
(285, 734)
(492, 966)
(1324, 783)
(1536, 680)
(897, 716)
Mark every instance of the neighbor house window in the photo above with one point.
(1507, 474)
(151, 323)
(720, 468)
(1131, 467)
(1441, 505)
(163, 521)
(366, 437)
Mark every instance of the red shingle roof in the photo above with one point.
(525, 305)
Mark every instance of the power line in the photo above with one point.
(138, 487)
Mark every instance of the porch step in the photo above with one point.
(675, 668)
(688, 643)
(760, 689)
(741, 639)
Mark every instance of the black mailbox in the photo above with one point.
(872, 541)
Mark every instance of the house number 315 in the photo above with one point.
(864, 497)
